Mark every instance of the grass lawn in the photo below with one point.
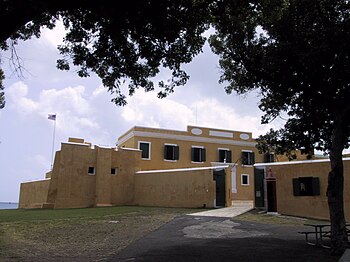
(263, 217)
(88, 234)
(91, 234)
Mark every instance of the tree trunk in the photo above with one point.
(339, 239)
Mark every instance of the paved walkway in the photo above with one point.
(237, 208)
(207, 239)
(216, 236)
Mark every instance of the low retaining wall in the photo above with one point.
(192, 187)
(34, 194)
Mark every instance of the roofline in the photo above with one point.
(37, 180)
(297, 162)
(195, 139)
(184, 131)
(182, 169)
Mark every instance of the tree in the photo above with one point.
(2, 96)
(128, 40)
(297, 53)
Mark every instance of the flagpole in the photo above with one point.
(53, 141)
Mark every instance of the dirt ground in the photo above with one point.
(77, 240)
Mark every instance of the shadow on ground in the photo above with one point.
(194, 238)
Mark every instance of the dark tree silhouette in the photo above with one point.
(297, 53)
(125, 40)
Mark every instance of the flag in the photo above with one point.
(52, 117)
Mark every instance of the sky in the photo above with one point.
(84, 109)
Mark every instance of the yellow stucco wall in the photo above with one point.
(75, 187)
(71, 185)
(122, 184)
(178, 188)
(307, 206)
(211, 139)
(244, 192)
(33, 194)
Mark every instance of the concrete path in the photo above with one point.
(237, 208)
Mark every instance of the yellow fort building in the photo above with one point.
(199, 167)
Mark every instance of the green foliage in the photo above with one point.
(2, 95)
(280, 143)
(297, 53)
(128, 41)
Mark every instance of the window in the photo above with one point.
(171, 152)
(145, 147)
(225, 155)
(269, 158)
(91, 170)
(114, 171)
(244, 180)
(198, 154)
(248, 158)
(306, 186)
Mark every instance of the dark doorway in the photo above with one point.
(259, 187)
(271, 195)
(219, 178)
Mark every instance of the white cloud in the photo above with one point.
(55, 36)
(147, 110)
(73, 109)
(17, 95)
(132, 114)
(17, 90)
(212, 113)
(99, 90)
(71, 98)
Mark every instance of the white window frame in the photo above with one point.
(249, 151)
(233, 179)
(226, 149)
(149, 149)
(248, 182)
(195, 162)
(274, 157)
(169, 160)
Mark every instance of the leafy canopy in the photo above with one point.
(297, 53)
(128, 40)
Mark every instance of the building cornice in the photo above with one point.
(296, 162)
(182, 169)
(197, 139)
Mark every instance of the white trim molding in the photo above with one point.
(196, 139)
(149, 149)
(248, 182)
(297, 162)
(182, 169)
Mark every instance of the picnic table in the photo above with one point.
(320, 231)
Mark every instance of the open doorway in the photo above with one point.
(259, 175)
(219, 177)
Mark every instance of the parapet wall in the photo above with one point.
(33, 194)
(192, 187)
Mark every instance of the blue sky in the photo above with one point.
(84, 109)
